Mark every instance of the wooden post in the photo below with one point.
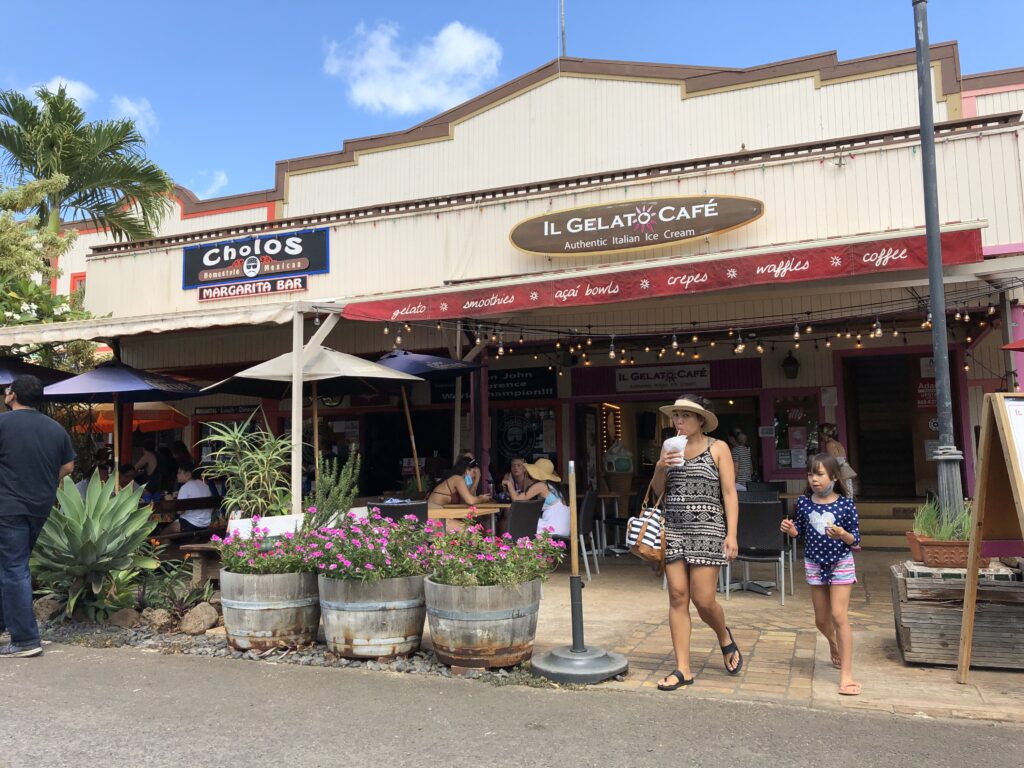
(412, 440)
(298, 333)
(316, 433)
(117, 441)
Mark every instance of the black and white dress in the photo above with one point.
(694, 515)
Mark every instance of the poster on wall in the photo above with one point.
(798, 438)
(783, 459)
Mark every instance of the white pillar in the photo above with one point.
(297, 340)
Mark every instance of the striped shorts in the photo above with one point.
(842, 572)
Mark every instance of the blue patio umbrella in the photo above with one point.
(13, 367)
(430, 367)
(115, 382)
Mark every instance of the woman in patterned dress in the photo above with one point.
(701, 512)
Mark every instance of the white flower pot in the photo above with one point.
(277, 525)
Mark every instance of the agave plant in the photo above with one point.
(91, 549)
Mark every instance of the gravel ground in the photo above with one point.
(419, 663)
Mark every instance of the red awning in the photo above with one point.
(1015, 346)
(617, 284)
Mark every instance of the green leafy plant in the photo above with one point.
(336, 490)
(927, 519)
(170, 587)
(957, 527)
(92, 549)
(254, 466)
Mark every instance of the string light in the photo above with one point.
(558, 344)
(848, 334)
(398, 339)
(796, 332)
(494, 335)
(876, 329)
(439, 325)
(958, 316)
(479, 340)
(387, 330)
(712, 343)
(991, 309)
(895, 333)
(730, 333)
(828, 343)
(611, 349)
(408, 328)
(590, 341)
(520, 337)
(695, 355)
(759, 348)
(675, 342)
(501, 346)
(967, 316)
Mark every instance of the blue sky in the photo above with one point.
(224, 88)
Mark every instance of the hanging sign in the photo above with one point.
(661, 378)
(827, 262)
(633, 224)
(266, 257)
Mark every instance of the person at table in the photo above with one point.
(555, 514)
(83, 484)
(191, 488)
(126, 476)
(457, 487)
(180, 453)
(517, 476)
(698, 481)
(145, 467)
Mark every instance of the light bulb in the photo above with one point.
(695, 338)
(408, 328)
(991, 309)
(760, 348)
(808, 328)
(675, 342)
(828, 343)
(387, 330)
(398, 338)
(796, 332)
(712, 343)
(967, 317)
(439, 325)
(558, 345)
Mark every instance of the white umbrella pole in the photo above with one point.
(316, 434)
(297, 334)
(412, 439)
(117, 443)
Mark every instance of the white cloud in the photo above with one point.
(139, 110)
(76, 89)
(440, 72)
(219, 181)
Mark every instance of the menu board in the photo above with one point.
(1015, 420)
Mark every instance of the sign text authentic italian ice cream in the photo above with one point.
(632, 225)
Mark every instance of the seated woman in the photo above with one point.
(556, 512)
(191, 488)
(517, 475)
(457, 487)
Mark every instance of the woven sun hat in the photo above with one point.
(543, 469)
(682, 404)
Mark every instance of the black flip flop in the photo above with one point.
(678, 676)
(729, 650)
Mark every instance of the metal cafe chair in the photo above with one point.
(523, 517)
(760, 541)
(397, 511)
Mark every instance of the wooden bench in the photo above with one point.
(205, 562)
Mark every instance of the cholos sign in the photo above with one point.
(650, 223)
(256, 258)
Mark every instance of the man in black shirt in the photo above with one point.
(35, 455)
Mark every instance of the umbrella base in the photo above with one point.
(586, 667)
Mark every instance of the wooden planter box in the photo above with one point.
(928, 613)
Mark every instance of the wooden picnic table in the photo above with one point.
(462, 511)
(168, 510)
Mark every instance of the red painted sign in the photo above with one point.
(798, 265)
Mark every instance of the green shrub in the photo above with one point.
(927, 519)
(336, 489)
(92, 550)
(170, 587)
(957, 527)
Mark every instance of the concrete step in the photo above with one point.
(902, 509)
(884, 525)
(884, 541)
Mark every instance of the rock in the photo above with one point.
(46, 607)
(216, 632)
(215, 602)
(158, 619)
(126, 618)
(201, 618)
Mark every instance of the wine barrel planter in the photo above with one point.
(368, 620)
(482, 626)
(263, 611)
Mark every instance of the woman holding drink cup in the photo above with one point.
(696, 475)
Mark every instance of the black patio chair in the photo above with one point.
(397, 511)
(523, 517)
(760, 541)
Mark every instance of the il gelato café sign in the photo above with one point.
(634, 224)
(255, 265)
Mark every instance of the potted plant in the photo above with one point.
(926, 525)
(268, 589)
(371, 584)
(948, 546)
(253, 464)
(484, 593)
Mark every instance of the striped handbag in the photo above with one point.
(645, 534)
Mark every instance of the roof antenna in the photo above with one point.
(561, 5)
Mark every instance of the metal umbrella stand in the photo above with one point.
(577, 663)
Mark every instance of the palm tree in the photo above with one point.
(104, 160)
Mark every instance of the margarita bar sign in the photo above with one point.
(627, 226)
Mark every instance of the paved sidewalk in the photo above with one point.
(786, 659)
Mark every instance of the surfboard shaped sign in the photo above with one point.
(631, 225)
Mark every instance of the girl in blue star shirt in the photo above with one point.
(827, 519)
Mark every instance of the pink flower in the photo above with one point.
(368, 566)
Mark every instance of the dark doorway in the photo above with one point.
(879, 418)
(386, 444)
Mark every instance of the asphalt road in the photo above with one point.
(124, 707)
